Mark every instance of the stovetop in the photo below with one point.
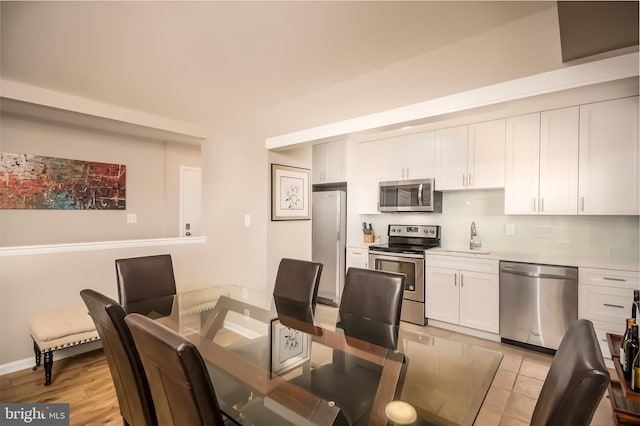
(410, 239)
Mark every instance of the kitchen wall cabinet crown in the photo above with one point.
(463, 291)
(471, 157)
(407, 157)
(329, 162)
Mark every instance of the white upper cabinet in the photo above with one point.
(541, 174)
(471, 157)
(609, 181)
(329, 162)
(451, 157)
(522, 168)
(559, 162)
(485, 156)
(407, 157)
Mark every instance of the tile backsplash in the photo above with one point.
(606, 237)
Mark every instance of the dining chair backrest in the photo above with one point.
(177, 375)
(372, 294)
(576, 380)
(129, 379)
(147, 277)
(298, 280)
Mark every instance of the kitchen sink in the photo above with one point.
(466, 251)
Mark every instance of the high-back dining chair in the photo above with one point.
(147, 277)
(129, 379)
(177, 375)
(298, 280)
(371, 294)
(349, 381)
(576, 380)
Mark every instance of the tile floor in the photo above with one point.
(517, 384)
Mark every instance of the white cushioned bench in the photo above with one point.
(52, 331)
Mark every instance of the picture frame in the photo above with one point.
(290, 348)
(290, 193)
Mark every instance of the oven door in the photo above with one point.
(412, 265)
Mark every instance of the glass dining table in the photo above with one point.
(273, 361)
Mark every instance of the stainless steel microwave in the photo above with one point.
(418, 195)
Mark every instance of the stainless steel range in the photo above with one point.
(405, 254)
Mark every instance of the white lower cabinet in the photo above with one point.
(605, 297)
(463, 291)
(357, 257)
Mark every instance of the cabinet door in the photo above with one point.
(328, 162)
(367, 177)
(357, 257)
(485, 156)
(408, 157)
(609, 179)
(559, 161)
(479, 295)
(442, 294)
(451, 156)
(522, 164)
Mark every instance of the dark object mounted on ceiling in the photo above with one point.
(589, 28)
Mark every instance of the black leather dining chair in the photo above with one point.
(370, 312)
(127, 372)
(576, 381)
(177, 375)
(298, 280)
(142, 278)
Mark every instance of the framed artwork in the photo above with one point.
(37, 182)
(289, 348)
(290, 193)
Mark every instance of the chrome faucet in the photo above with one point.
(474, 241)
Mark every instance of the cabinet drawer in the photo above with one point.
(601, 329)
(604, 303)
(463, 263)
(610, 278)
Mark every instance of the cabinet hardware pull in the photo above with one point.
(541, 205)
(464, 181)
(469, 181)
(622, 280)
(535, 210)
(613, 306)
(455, 280)
(581, 204)
(461, 280)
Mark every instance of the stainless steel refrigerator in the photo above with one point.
(329, 220)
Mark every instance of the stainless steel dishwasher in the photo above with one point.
(537, 303)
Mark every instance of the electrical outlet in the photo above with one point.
(510, 229)
(132, 218)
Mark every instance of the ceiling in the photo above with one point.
(206, 62)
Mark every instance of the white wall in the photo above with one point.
(152, 184)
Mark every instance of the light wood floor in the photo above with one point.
(85, 383)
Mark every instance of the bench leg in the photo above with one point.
(48, 365)
(37, 353)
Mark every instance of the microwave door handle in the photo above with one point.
(420, 195)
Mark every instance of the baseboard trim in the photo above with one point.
(28, 363)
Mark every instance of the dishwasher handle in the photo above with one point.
(536, 274)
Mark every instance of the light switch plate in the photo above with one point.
(247, 220)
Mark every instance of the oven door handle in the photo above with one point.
(395, 256)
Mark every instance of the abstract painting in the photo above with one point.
(37, 182)
(290, 192)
